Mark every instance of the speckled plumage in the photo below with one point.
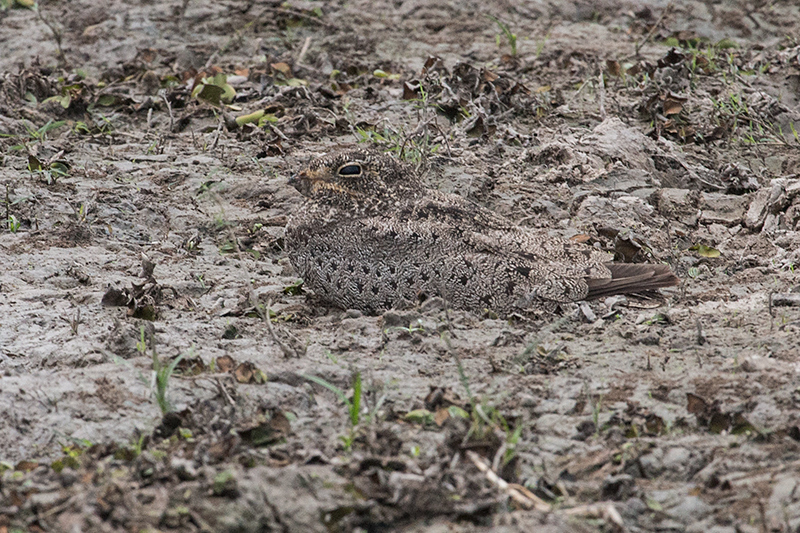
(371, 239)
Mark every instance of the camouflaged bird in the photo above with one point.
(370, 235)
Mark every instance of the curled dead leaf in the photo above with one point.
(672, 107)
(702, 63)
(634, 70)
(673, 57)
(263, 432)
(247, 372)
(489, 76)
(705, 251)
(191, 366)
(410, 90)
(581, 238)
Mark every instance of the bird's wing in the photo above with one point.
(485, 231)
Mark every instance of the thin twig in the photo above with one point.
(53, 510)
(770, 310)
(601, 94)
(8, 221)
(701, 338)
(603, 510)
(217, 133)
(528, 501)
(287, 350)
(498, 456)
(56, 34)
(578, 92)
(278, 132)
(303, 51)
(224, 392)
(444, 138)
(169, 108)
(653, 29)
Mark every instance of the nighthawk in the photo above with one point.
(370, 236)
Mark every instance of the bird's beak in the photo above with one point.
(298, 179)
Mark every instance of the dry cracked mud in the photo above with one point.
(146, 149)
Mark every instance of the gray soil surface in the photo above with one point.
(142, 222)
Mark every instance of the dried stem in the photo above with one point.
(639, 45)
(524, 497)
(287, 350)
(56, 33)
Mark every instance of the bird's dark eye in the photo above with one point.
(350, 170)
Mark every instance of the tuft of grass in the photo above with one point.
(13, 223)
(412, 148)
(411, 329)
(161, 374)
(506, 31)
(750, 127)
(353, 406)
(141, 344)
(486, 418)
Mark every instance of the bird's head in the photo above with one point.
(348, 175)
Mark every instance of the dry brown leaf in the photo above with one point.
(191, 366)
(26, 466)
(695, 404)
(489, 76)
(245, 372)
(226, 363)
(672, 107)
(283, 68)
(148, 55)
(701, 62)
(410, 92)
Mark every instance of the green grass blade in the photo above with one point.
(355, 407)
(333, 388)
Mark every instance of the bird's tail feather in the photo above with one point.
(629, 278)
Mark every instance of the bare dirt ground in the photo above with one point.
(143, 213)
